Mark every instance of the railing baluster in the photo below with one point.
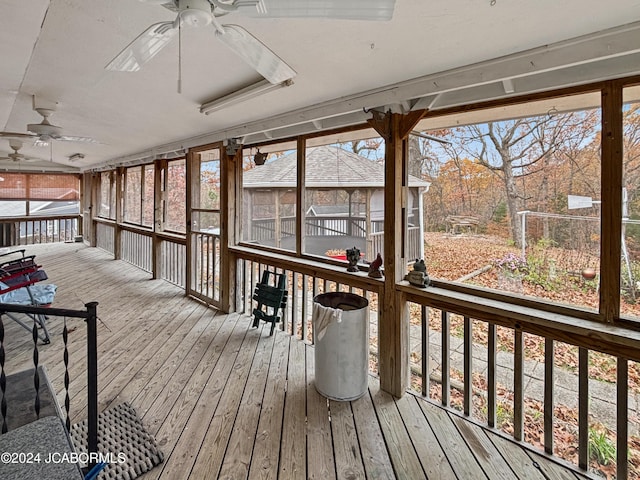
(36, 376)
(65, 356)
(445, 361)
(468, 365)
(549, 349)
(583, 408)
(246, 289)
(303, 314)
(518, 384)
(3, 380)
(424, 332)
(203, 264)
(622, 419)
(285, 314)
(491, 376)
(92, 379)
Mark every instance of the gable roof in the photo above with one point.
(326, 167)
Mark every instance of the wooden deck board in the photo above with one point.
(236, 466)
(320, 460)
(345, 442)
(485, 452)
(401, 450)
(430, 453)
(293, 444)
(225, 400)
(458, 453)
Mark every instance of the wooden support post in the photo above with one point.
(300, 198)
(158, 218)
(230, 171)
(394, 311)
(611, 221)
(191, 179)
(120, 181)
(93, 209)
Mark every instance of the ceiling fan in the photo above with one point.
(45, 131)
(16, 156)
(255, 53)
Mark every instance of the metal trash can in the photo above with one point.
(341, 345)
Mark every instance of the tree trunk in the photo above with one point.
(513, 204)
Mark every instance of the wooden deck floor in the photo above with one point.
(225, 400)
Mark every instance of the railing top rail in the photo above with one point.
(591, 334)
(49, 311)
(39, 218)
(308, 266)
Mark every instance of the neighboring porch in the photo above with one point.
(224, 400)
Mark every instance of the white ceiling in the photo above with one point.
(432, 53)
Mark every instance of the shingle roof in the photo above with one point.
(326, 167)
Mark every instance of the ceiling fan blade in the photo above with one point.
(343, 9)
(72, 138)
(17, 135)
(255, 53)
(143, 48)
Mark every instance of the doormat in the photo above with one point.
(123, 439)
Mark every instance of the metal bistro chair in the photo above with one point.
(271, 297)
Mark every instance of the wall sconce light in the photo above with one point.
(259, 158)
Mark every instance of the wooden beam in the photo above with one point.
(611, 221)
(381, 123)
(394, 318)
(409, 121)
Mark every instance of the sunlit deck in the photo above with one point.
(225, 400)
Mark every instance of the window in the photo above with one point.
(133, 195)
(514, 198)
(630, 264)
(344, 195)
(205, 203)
(107, 195)
(269, 196)
(175, 196)
(138, 195)
(39, 194)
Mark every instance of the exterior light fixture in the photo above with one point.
(259, 158)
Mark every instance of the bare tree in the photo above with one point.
(512, 149)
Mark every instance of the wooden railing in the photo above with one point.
(474, 331)
(527, 373)
(17, 231)
(206, 265)
(173, 261)
(105, 236)
(488, 359)
(305, 280)
(414, 250)
(161, 254)
(265, 230)
(322, 226)
(136, 248)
